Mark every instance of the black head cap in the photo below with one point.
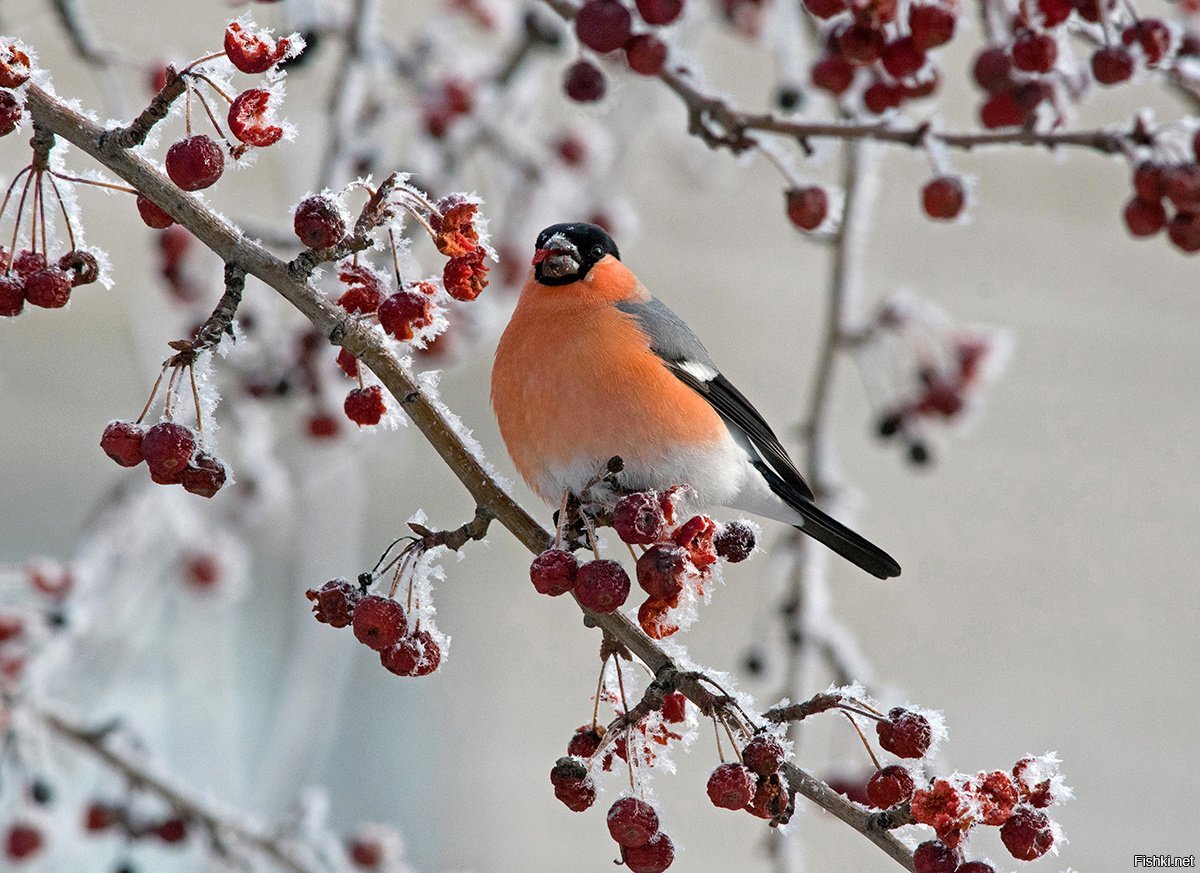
(566, 252)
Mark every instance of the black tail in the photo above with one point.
(832, 533)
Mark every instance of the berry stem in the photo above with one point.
(863, 737)
(4, 206)
(191, 368)
(212, 118)
(20, 211)
(188, 69)
(213, 85)
(80, 181)
(63, 208)
(717, 734)
(187, 108)
(395, 259)
(153, 394)
(732, 742)
(599, 687)
(170, 392)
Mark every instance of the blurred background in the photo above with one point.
(1047, 602)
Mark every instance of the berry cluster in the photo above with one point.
(171, 451)
(379, 623)
(1161, 186)
(754, 785)
(608, 26)
(15, 70)
(452, 99)
(677, 558)
(101, 816)
(34, 277)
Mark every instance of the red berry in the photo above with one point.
(993, 70)
(1112, 65)
(1150, 181)
(658, 12)
(602, 586)
(572, 785)
(49, 288)
(405, 312)
(416, 655)
(318, 222)
(1002, 110)
(1034, 52)
(365, 852)
(861, 44)
(195, 162)
(1183, 186)
(930, 26)
(632, 822)
(10, 627)
(905, 733)
(583, 82)
(152, 214)
(902, 57)
(334, 602)
(879, 97)
(1152, 35)
(1027, 834)
(81, 266)
(654, 857)
(890, 786)
(825, 9)
(696, 535)
(1054, 12)
(807, 207)
(553, 572)
(1184, 231)
(585, 741)
(735, 541)
(361, 299)
(639, 519)
(654, 616)
(172, 830)
(833, 73)
(12, 295)
(934, 857)
(646, 54)
(205, 475)
(322, 426)
(379, 622)
(253, 52)
(23, 841)
(996, 795)
(731, 786)
(348, 363)
(122, 441)
(943, 807)
(976, 867)
(100, 816)
(167, 448)
(943, 197)
(763, 755)
(365, 406)
(14, 67)
(28, 262)
(603, 25)
(662, 569)
(10, 112)
(674, 707)
(1145, 217)
(249, 118)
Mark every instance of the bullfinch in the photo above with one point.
(592, 366)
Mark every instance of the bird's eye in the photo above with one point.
(597, 252)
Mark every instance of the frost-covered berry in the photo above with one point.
(10, 112)
(22, 841)
(662, 569)
(654, 616)
(365, 406)
(1027, 834)
(318, 222)
(834, 74)
(553, 572)
(905, 733)
(943, 197)
(379, 622)
(12, 295)
(731, 786)
(122, 441)
(1153, 37)
(415, 655)
(674, 708)
(976, 867)
(646, 54)
(696, 536)
(602, 586)
(572, 785)
(639, 519)
(405, 312)
(933, 856)
(334, 602)
(996, 795)
(49, 288)
(734, 541)
(654, 857)
(890, 786)
(945, 808)
(1144, 217)
(603, 25)
(1112, 65)
(249, 119)
(807, 207)
(763, 755)
(584, 83)
(659, 12)
(152, 214)
(632, 822)
(253, 52)
(1034, 52)
(28, 262)
(14, 66)
(167, 448)
(81, 266)
(195, 162)
(205, 475)
(585, 741)
(930, 25)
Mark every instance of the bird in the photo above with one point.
(592, 366)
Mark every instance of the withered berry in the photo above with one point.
(318, 222)
(168, 447)
(731, 786)
(602, 586)
(553, 572)
(379, 622)
(632, 822)
(905, 733)
(195, 162)
(639, 519)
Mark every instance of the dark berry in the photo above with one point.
(1150, 181)
(415, 655)
(99, 816)
(205, 475)
(602, 586)
(632, 822)
(553, 572)
(572, 785)
(404, 313)
(833, 73)
(763, 755)
(195, 162)
(930, 26)
(10, 112)
(1184, 231)
(334, 602)
(49, 288)
(22, 841)
(379, 622)
(365, 406)
(943, 197)
(81, 266)
(975, 867)
(1152, 35)
(658, 12)
(639, 519)
(861, 44)
(28, 262)
(881, 96)
(1002, 110)
(1112, 65)
(172, 830)
(1054, 12)
(902, 57)
(584, 83)
(1027, 834)
(1034, 52)
(731, 786)
(646, 54)
(825, 9)
(890, 786)
(167, 448)
(933, 856)
(318, 222)
(735, 541)
(674, 708)
(906, 734)
(662, 570)
(1145, 217)
(12, 295)
(585, 741)
(152, 214)
(807, 207)
(993, 70)
(122, 441)
(365, 852)
(603, 25)
(654, 857)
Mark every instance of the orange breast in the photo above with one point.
(574, 380)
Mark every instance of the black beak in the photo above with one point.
(558, 258)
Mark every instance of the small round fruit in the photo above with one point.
(639, 519)
(906, 734)
(654, 857)
(632, 822)
(49, 288)
(122, 441)
(404, 313)
(318, 222)
(1027, 834)
(603, 25)
(934, 856)
(763, 755)
(195, 162)
(335, 601)
(735, 541)
(152, 214)
(890, 786)
(731, 786)
(205, 475)
(167, 448)
(553, 572)
(942, 198)
(379, 622)
(602, 586)
(646, 54)
(807, 207)
(365, 406)
(584, 83)
(1112, 65)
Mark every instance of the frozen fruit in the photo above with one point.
(602, 585)
(379, 622)
(553, 572)
(632, 822)
(167, 448)
(319, 223)
(195, 162)
(731, 786)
